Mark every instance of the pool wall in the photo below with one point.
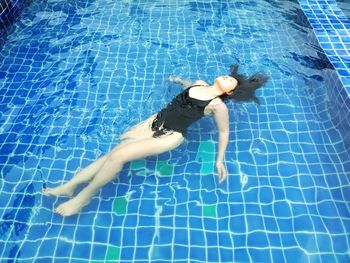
(331, 28)
(10, 10)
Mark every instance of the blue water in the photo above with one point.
(75, 75)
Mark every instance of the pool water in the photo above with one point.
(75, 74)
(345, 7)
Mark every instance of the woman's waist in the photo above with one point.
(174, 122)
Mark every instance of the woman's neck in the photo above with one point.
(214, 90)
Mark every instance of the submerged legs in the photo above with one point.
(105, 169)
(82, 176)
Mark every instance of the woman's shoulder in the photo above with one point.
(216, 104)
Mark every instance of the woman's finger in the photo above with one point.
(222, 174)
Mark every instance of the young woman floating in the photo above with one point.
(163, 132)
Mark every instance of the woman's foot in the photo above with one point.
(70, 207)
(62, 190)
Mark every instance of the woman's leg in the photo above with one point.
(138, 132)
(114, 164)
(83, 176)
(143, 128)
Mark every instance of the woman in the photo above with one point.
(162, 132)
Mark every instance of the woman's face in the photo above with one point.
(226, 84)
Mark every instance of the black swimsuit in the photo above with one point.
(180, 113)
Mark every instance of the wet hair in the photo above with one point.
(246, 86)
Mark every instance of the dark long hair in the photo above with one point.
(246, 87)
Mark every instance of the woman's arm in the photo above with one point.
(185, 83)
(222, 121)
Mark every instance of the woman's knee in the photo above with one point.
(116, 158)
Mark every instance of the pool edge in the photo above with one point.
(331, 29)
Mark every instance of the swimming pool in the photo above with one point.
(74, 75)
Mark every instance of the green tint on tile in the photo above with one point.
(137, 164)
(209, 211)
(119, 205)
(164, 168)
(113, 254)
(206, 155)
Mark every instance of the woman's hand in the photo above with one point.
(185, 83)
(221, 171)
(175, 79)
